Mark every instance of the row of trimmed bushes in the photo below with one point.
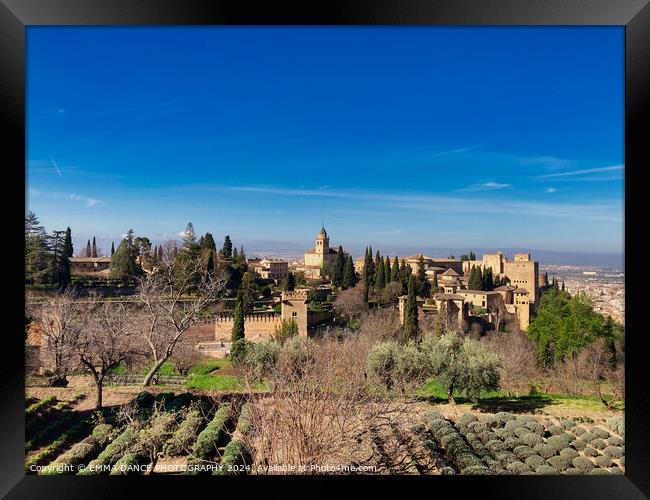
(55, 447)
(208, 441)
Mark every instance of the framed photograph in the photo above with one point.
(347, 240)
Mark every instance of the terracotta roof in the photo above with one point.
(449, 296)
(507, 288)
(450, 272)
(522, 291)
(479, 292)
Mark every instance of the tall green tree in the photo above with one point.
(387, 273)
(89, 251)
(475, 279)
(248, 290)
(349, 275)
(411, 328)
(379, 273)
(564, 325)
(123, 265)
(208, 242)
(237, 347)
(37, 252)
(68, 249)
(112, 248)
(226, 250)
(289, 282)
(488, 280)
(394, 272)
(434, 285)
(93, 252)
(338, 267)
(423, 288)
(370, 269)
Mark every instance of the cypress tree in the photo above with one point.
(94, 248)
(210, 262)
(563, 290)
(227, 247)
(248, 292)
(337, 267)
(370, 269)
(422, 282)
(237, 335)
(411, 312)
(379, 274)
(376, 268)
(89, 251)
(488, 284)
(475, 279)
(289, 282)
(434, 286)
(349, 275)
(112, 248)
(387, 272)
(208, 242)
(546, 277)
(394, 272)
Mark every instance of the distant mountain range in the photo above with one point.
(295, 251)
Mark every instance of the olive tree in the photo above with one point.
(462, 364)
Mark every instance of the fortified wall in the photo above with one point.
(258, 326)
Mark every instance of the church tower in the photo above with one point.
(322, 242)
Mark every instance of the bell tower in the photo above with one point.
(322, 242)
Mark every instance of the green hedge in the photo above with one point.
(214, 433)
(181, 440)
(111, 453)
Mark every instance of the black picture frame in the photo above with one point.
(634, 15)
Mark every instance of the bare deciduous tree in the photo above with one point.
(173, 298)
(317, 411)
(519, 369)
(58, 321)
(108, 338)
(185, 356)
(350, 304)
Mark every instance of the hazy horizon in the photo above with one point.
(402, 138)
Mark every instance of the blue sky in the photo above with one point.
(402, 137)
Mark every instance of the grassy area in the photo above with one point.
(202, 378)
(500, 401)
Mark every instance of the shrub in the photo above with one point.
(523, 452)
(517, 467)
(569, 453)
(582, 463)
(590, 452)
(381, 362)
(144, 399)
(599, 472)
(244, 421)
(621, 461)
(603, 461)
(503, 458)
(514, 424)
(599, 444)
(600, 433)
(572, 471)
(616, 470)
(545, 450)
(588, 437)
(183, 437)
(207, 442)
(233, 455)
(568, 424)
(535, 427)
(546, 470)
(496, 446)
(557, 443)
(531, 439)
(560, 463)
(579, 444)
(555, 430)
(467, 418)
(477, 470)
(104, 433)
(503, 434)
(79, 453)
(615, 441)
(128, 465)
(535, 461)
(261, 358)
(617, 424)
(613, 452)
(112, 452)
(504, 416)
(513, 442)
(579, 431)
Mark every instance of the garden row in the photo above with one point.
(162, 426)
(503, 443)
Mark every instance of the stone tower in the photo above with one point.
(294, 307)
(322, 242)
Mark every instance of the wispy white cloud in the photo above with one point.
(611, 211)
(486, 186)
(182, 234)
(551, 162)
(550, 190)
(55, 166)
(584, 171)
(89, 201)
